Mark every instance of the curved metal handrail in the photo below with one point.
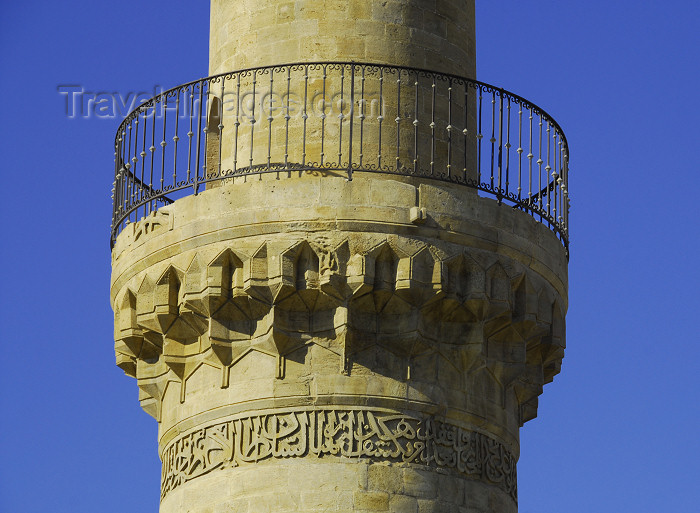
(416, 122)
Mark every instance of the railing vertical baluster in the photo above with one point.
(237, 123)
(556, 215)
(323, 114)
(352, 115)
(479, 136)
(190, 133)
(121, 183)
(520, 150)
(152, 149)
(204, 111)
(530, 156)
(129, 174)
(221, 122)
(449, 129)
(380, 118)
(305, 116)
(508, 148)
(269, 121)
(127, 184)
(547, 169)
(465, 130)
(176, 137)
(163, 144)
(561, 180)
(200, 106)
(539, 167)
(122, 171)
(564, 189)
(562, 195)
(340, 115)
(136, 195)
(127, 168)
(114, 198)
(500, 145)
(252, 122)
(415, 122)
(493, 129)
(287, 117)
(119, 180)
(123, 198)
(363, 106)
(145, 191)
(398, 119)
(432, 127)
(555, 177)
(567, 202)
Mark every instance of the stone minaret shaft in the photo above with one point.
(309, 343)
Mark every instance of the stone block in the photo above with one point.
(371, 501)
(387, 478)
(421, 484)
(403, 504)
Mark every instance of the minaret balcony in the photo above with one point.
(341, 118)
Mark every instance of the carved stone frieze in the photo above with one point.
(158, 220)
(343, 433)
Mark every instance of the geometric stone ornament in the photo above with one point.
(281, 297)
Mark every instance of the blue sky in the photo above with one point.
(617, 430)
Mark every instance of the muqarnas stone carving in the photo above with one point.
(500, 319)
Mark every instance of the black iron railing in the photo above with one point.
(345, 118)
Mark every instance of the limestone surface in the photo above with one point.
(309, 343)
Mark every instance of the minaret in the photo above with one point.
(339, 264)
